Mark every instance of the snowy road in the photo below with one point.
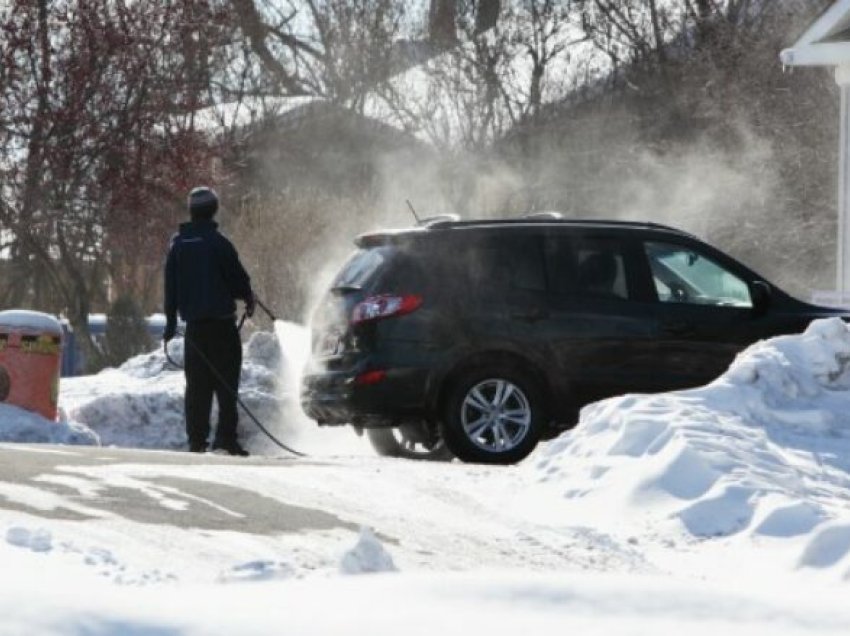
(114, 541)
(56, 472)
(432, 516)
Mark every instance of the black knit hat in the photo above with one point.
(203, 203)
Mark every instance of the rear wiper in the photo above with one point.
(345, 289)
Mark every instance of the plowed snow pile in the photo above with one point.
(18, 425)
(140, 404)
(761, 453)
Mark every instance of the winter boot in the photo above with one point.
(232, 448)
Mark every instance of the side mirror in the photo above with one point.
(761, 294)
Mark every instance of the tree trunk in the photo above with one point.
(442, 23)
(657, 32)
(487, 15)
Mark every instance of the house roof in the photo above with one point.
(826, 42)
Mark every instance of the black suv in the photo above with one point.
(483, 337)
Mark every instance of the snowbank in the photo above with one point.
(764, 451)
(19, 425)
(493, 603)
(140, 404)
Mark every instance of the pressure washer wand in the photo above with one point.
(268, 311)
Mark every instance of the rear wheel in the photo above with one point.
(492, 416)
(410, 441)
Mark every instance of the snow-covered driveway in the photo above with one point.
(298, 514)
(111, 541)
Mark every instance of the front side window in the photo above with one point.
(682, 275)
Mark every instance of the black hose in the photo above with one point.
(239, 400)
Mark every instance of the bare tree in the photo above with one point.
(333, 49)
(500, 72)
(442, 22)
(97, 142)
(543, 30)
(638, 31)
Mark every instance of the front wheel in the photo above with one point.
(411, 441)
(493, 417)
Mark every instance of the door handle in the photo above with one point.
(678, 328)
(531, 315)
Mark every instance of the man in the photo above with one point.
(203, 279)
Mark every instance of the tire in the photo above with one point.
(394, 442)
(493, 416)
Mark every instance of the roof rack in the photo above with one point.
(440, 218)
(548, 216)
(440, 224)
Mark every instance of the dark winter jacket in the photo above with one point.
(203, 275)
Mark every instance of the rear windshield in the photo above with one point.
(360, 268)
(403, 276)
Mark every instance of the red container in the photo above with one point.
(30, 360)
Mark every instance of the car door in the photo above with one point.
(703, 309)
(601, 330)
(509, 291)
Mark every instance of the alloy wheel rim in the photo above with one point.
(496, 415)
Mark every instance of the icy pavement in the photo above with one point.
(428, 516)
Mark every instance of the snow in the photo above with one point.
(721, 509)
(18, 425)
(140, 404)
(248, 111)
(30, 321)
(492, 603)
(368, 556)
(739, 454)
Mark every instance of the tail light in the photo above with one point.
(370, 378)
(385, 306)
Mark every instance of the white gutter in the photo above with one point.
(826, 54)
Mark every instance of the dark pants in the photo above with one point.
(212, 343)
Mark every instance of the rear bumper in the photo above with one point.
(335, 397)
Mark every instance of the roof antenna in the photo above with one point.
(415, 216)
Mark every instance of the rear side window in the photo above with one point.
(510, 262)
(360, 268)
(587, 267)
